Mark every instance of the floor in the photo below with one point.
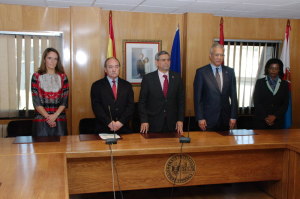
(225, 191)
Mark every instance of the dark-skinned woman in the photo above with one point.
(271, 97)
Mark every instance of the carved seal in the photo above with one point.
(180, 169)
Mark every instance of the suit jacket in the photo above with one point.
(210, 103)
(121, 109)
(266, 103)
(154, 108)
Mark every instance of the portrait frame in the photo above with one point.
(139, 58)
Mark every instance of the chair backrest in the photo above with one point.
(87, 126)
(19, 128)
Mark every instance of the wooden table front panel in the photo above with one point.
(87, 175)
(33, 176)
(294, 172)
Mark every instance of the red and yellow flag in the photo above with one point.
(221, 41)
(111, 48)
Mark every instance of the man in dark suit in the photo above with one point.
(215, 97)
(112, 100)
(161, 104)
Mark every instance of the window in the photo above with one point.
(248, 59)
(20, 56)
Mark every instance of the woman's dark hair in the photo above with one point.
(59, 67)
(274, 61)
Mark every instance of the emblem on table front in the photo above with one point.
(180, 169)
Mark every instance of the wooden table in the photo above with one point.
(85, 165)
(36, 170)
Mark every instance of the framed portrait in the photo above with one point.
(139, 58)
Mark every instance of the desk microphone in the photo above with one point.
(113, 140)
(186, 139)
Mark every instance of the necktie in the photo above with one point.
(165, 86)
(218, 78)
(114, 89)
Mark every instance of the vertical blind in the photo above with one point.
(248, 59)
(20, 57)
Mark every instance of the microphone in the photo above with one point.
(113, 140)
(186, 139)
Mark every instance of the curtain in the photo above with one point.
(20, 57)
(8, 83)
(248, 59)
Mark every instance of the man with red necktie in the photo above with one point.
(112, 95)
(161, 103)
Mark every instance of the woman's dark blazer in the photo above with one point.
(266, 103)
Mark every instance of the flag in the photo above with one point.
(285, 58)
(175, 53)
(111, 48)
(221, 41)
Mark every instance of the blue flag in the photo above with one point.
(288, 114)
(175, 54)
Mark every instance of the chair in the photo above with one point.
(87, 126)
(19, 128)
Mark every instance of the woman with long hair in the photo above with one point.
(50, 90)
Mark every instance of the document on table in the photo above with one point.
(105, 136)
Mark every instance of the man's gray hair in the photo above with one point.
(161, 53)
(216, 45)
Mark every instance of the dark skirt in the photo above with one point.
(43, 129)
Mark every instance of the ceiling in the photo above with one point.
(233, 8)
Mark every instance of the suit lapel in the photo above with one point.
(171, 83)
(120, 89)
(226, 78)
(212, 78)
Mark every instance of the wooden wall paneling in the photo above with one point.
(10, 17)
(64, 26)
(183, 48)
(39, 18)
(200, 32)
(85, 52)
(295, 72)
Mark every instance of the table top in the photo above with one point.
(136, 144)
(7, 147)
(39, 170)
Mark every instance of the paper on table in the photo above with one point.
(105, 136)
